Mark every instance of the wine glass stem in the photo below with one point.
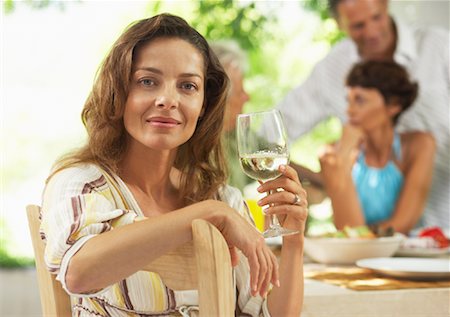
(274, 221)
(273, 218)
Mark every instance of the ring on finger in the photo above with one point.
(296, 200)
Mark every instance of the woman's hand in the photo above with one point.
(240, 234)
(335, 169)
(352, 137)
(290, 204)
(336, 161)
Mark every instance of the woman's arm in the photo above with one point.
(116, 254)
(307, 174)
(419, 159)
(336, 168)
(287, 299)
(336, 173)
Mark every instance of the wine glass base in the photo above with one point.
(276, 231)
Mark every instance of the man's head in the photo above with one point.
(368, 24)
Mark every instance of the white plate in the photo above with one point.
(349, 250)
(422, 252)
(413, 268)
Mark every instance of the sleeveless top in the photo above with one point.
(378, 188)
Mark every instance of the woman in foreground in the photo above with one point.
(375, 175)
(152, 164)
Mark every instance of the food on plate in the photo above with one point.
(362, 232)
(430, 241)
(382, 232)
(419, 243)
(436, 234)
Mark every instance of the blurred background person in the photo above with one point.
(234, 61)
(374, 35)
(374, 175)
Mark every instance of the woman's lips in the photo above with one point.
(163, 122)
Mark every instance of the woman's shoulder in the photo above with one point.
(418, 144)
(418, 140)
(74, 181)
(230, 194)
(78, 176)
(82, 170)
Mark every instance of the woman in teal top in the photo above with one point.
(375, 175)
(378, 188)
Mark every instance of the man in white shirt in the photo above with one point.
(373, 34)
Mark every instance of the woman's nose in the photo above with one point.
(167, 98)
(350, 109)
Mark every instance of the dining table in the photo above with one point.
(372, 295)
(332, 290)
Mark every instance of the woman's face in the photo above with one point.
(166, 94)
(237, 98)
(367, 108)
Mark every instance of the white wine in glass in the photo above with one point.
(262, 151)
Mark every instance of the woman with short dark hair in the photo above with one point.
(375, 175)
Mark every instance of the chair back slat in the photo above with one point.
(178, 268)
(54, 300)
(215, 278)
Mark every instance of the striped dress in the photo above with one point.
(83, 201)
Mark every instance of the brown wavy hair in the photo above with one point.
(389, 78)
(200, 159)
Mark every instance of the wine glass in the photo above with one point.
(262, 151)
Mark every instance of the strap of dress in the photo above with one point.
(397, 147)
(396, 150)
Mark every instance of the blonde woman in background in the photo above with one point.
(234, 61)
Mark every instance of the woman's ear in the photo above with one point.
(394, 109)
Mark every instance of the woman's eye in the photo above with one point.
(360, 100)
(146, 82)
(188, 86)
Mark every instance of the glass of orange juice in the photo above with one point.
(257, 213)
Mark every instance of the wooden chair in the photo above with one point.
(208, 253)
(54, 300)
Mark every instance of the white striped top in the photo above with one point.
(82, 202)
(424, 52)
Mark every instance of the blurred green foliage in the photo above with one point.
(7, 260)
(11, 261)
(327, 30)
(242, 22)
(10, 5)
